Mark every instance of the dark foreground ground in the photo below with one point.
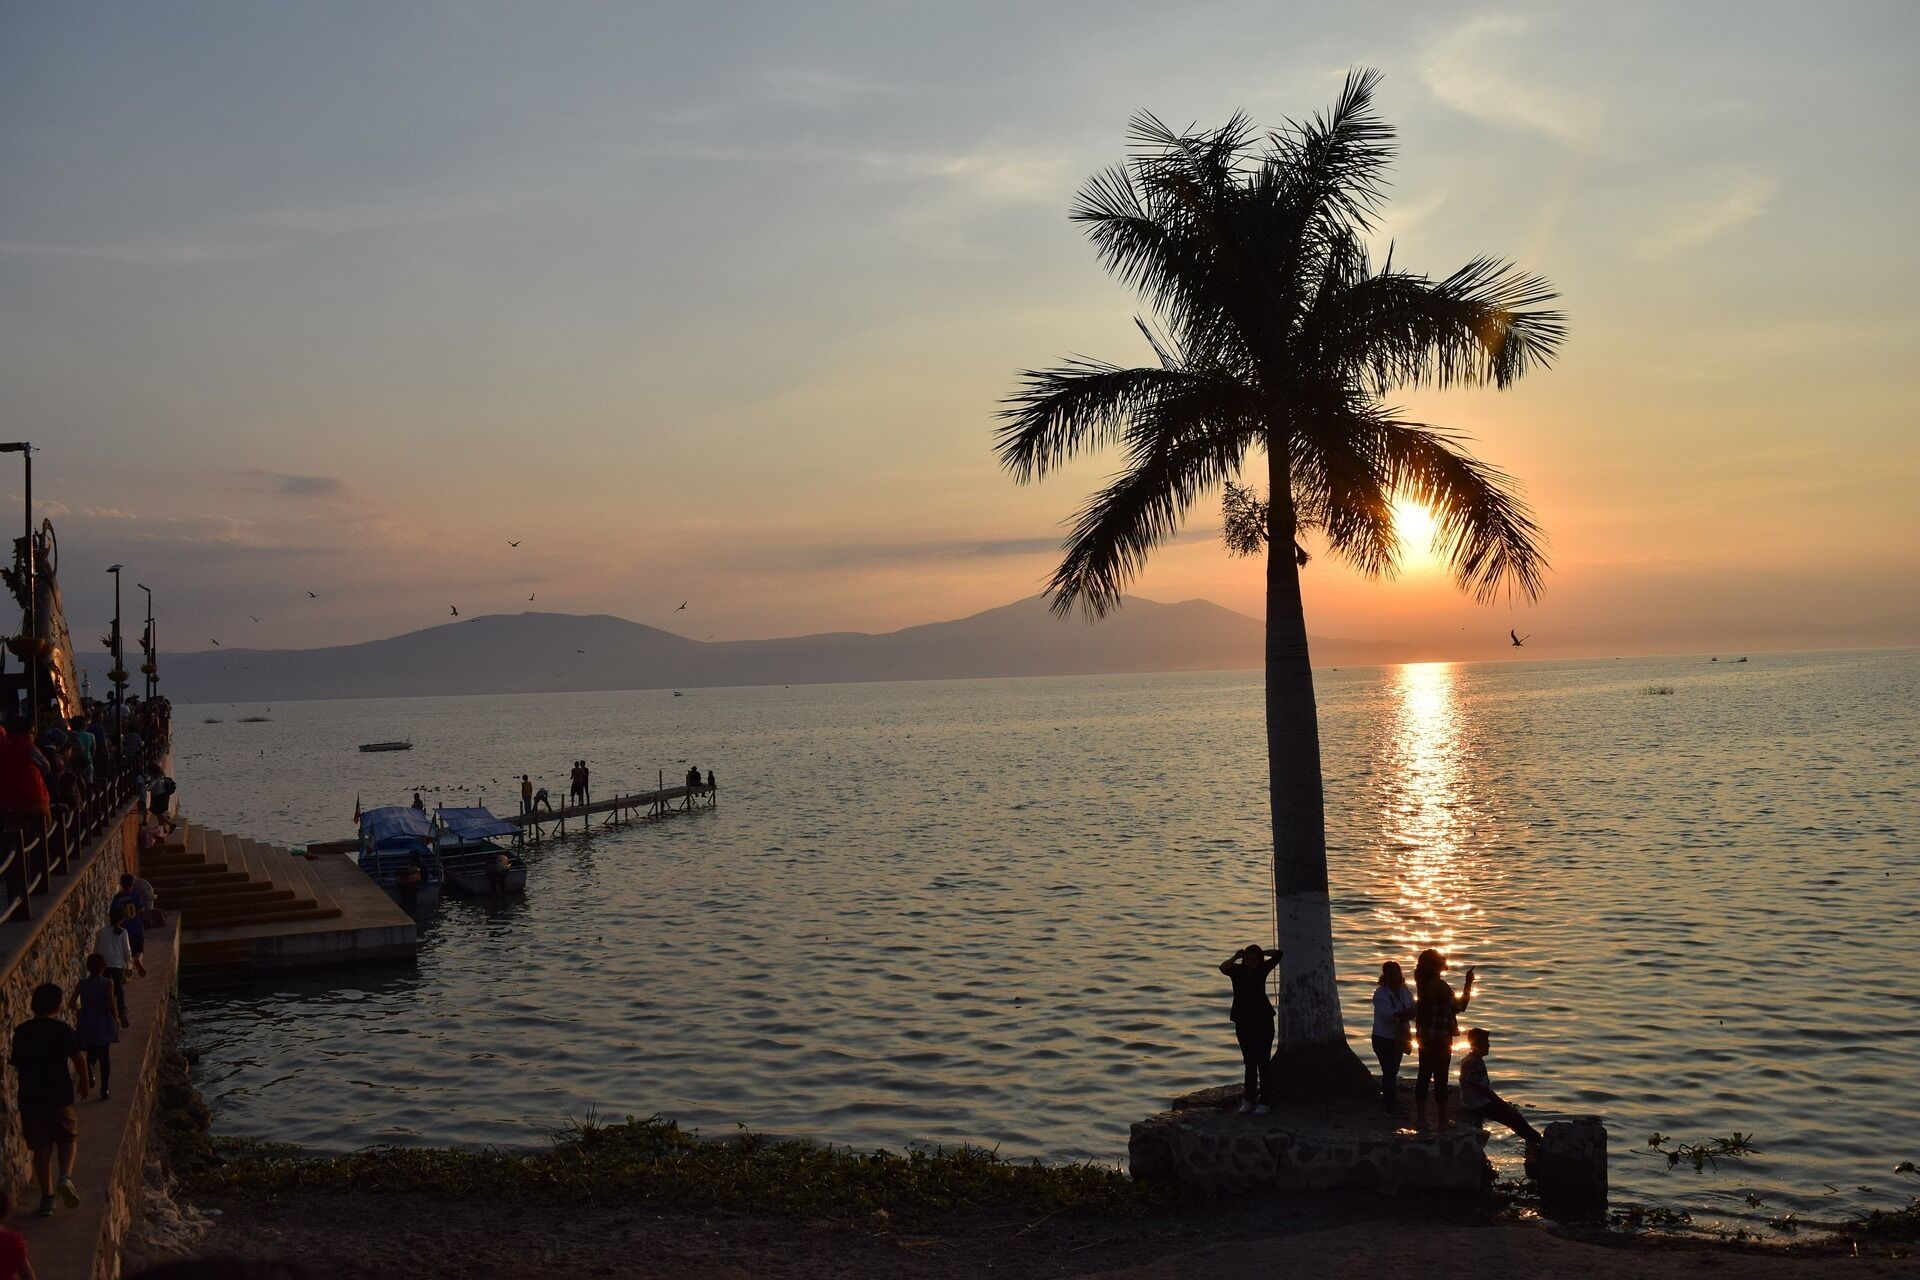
(353, 1235)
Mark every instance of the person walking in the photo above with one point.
(116, 949)
(1436, 1018)
(1392, 1031)
(126, 908)
(1252, 1016)
(47, 1060)
(94, 1023)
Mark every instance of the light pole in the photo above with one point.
(30, 621)
(152, 650)
(118, 676)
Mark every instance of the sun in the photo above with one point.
(1414, 525)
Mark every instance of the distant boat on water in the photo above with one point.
(386, 746)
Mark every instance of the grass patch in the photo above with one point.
(656, 1162)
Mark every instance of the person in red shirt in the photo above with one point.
(24, 802)
(13, 1245)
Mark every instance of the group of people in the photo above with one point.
(694, 784)
(66, 1048)
(56, 767)
(1423, 1019)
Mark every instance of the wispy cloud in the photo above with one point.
(1734, 198)
(298, 486)
(155, 252)
(1478, 69)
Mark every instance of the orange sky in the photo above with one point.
(722, 313)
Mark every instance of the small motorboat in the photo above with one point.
(397, 853)
(386, 746)
(469, 849)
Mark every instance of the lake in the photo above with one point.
(989, 911)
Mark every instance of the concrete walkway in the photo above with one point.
(79, 1244)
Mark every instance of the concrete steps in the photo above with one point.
(211, 880)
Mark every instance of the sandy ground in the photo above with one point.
(354, 1236)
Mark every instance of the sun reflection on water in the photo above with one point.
(1431, 811)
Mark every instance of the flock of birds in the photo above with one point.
(452, 609)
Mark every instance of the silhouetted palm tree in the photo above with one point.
(1276, 335)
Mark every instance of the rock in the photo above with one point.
(1571, 1170)
(1150, 1149)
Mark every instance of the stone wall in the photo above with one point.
(53, 947)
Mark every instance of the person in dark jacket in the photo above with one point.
(1252, 1015)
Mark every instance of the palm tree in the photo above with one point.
(1277, 336)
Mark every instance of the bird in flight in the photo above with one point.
(216, 644)
(1518, 639)
(255, 619)
(313, 595)
(512, 543)
(455, 608)
(683, 604)
(530, 598)
(579, 650)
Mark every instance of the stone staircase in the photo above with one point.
(213, 883)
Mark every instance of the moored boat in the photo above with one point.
(397, 853)
(469, 849)
(386, 746)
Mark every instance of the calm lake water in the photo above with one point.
(989, 911)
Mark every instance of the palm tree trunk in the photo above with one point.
(1314, 1058)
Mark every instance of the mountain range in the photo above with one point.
(553, 652)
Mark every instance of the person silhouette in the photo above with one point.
(1252, 1016)
(1436, 1017)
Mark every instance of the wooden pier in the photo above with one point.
(616, 811)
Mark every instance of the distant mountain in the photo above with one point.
(547, 652)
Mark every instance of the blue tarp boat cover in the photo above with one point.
(394, 822)
(475, 824)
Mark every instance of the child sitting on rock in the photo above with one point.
(1476, 1091)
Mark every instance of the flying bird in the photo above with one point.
(313, 595)
(579, 650)
(1518, 639)
(255, 619)
(683, 604)
(512, 543)
(216, 644)
(530, 598)
(455, 608)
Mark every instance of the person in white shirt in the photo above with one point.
(112, 945)
(1392, 1028)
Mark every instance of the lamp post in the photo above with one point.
(152, 664)
(118, 676)
(30, 621)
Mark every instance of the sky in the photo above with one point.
(716, 304)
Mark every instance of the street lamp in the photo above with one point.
(119, 673)
(152, 664)
(31, 657)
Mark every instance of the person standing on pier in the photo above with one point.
(47, 1059)
(526, 794)
(1252, 1016)
(586, 783)
(575, 784)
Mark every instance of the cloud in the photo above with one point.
(1736, 198)
(296, 486)
(157, 252)
(1469, 70)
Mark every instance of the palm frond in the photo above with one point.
(1077, 406)
(1342, 486)
(1118, 528)
(1484, 529)
(1339, 158)
(1484, 323)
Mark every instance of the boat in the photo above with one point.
(395, 840)
(467, 841)
(386, 746)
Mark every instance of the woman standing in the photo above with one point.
(1252, 1016)
(1392, 1030)
(1436, 1016)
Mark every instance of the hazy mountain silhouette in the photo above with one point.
(539, 652)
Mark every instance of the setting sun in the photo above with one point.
(1415, 526)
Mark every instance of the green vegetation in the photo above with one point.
(656, 1162)
(1703, 1154)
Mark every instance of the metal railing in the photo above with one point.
(30, 858)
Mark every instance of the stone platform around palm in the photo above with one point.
(1203, 1143)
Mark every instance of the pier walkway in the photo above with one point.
(244, 906)
(546, 824)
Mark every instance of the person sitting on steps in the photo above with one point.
(1477, 1097)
